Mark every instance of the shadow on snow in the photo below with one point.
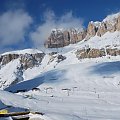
(107, 68)
(48, 77)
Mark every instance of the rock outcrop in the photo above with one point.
(60, 58)
(4, 59)
(31, 60)
(91, 30)
(27, 60)
(61, 38)
(102, 29)
(94, 53)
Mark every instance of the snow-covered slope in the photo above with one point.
(85, 90)
(108, 39)
(7, 73)
(111, 18)
(65, 88)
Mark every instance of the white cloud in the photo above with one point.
(52, 21)
(13, 26)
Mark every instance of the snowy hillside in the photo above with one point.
(86, 90)
(62, 86)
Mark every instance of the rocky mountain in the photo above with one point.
(99, 40)
(79, 81)
(60, 38)
(15, 63)
(95, 53)
(25, 60)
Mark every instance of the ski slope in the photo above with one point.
(86, 89)
(94, 92)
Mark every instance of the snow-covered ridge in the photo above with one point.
(97, 23)
(29, 51)
(60, 37)
(112, 17)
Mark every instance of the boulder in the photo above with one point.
(60, 58)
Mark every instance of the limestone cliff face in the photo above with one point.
(91, 30)
(61, 38)
(94, 53)
(109, 24)
(102, 29)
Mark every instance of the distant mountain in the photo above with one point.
(61, 37)
(101, 39)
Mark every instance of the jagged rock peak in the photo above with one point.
(62, 37)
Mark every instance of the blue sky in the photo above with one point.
(27, 23)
